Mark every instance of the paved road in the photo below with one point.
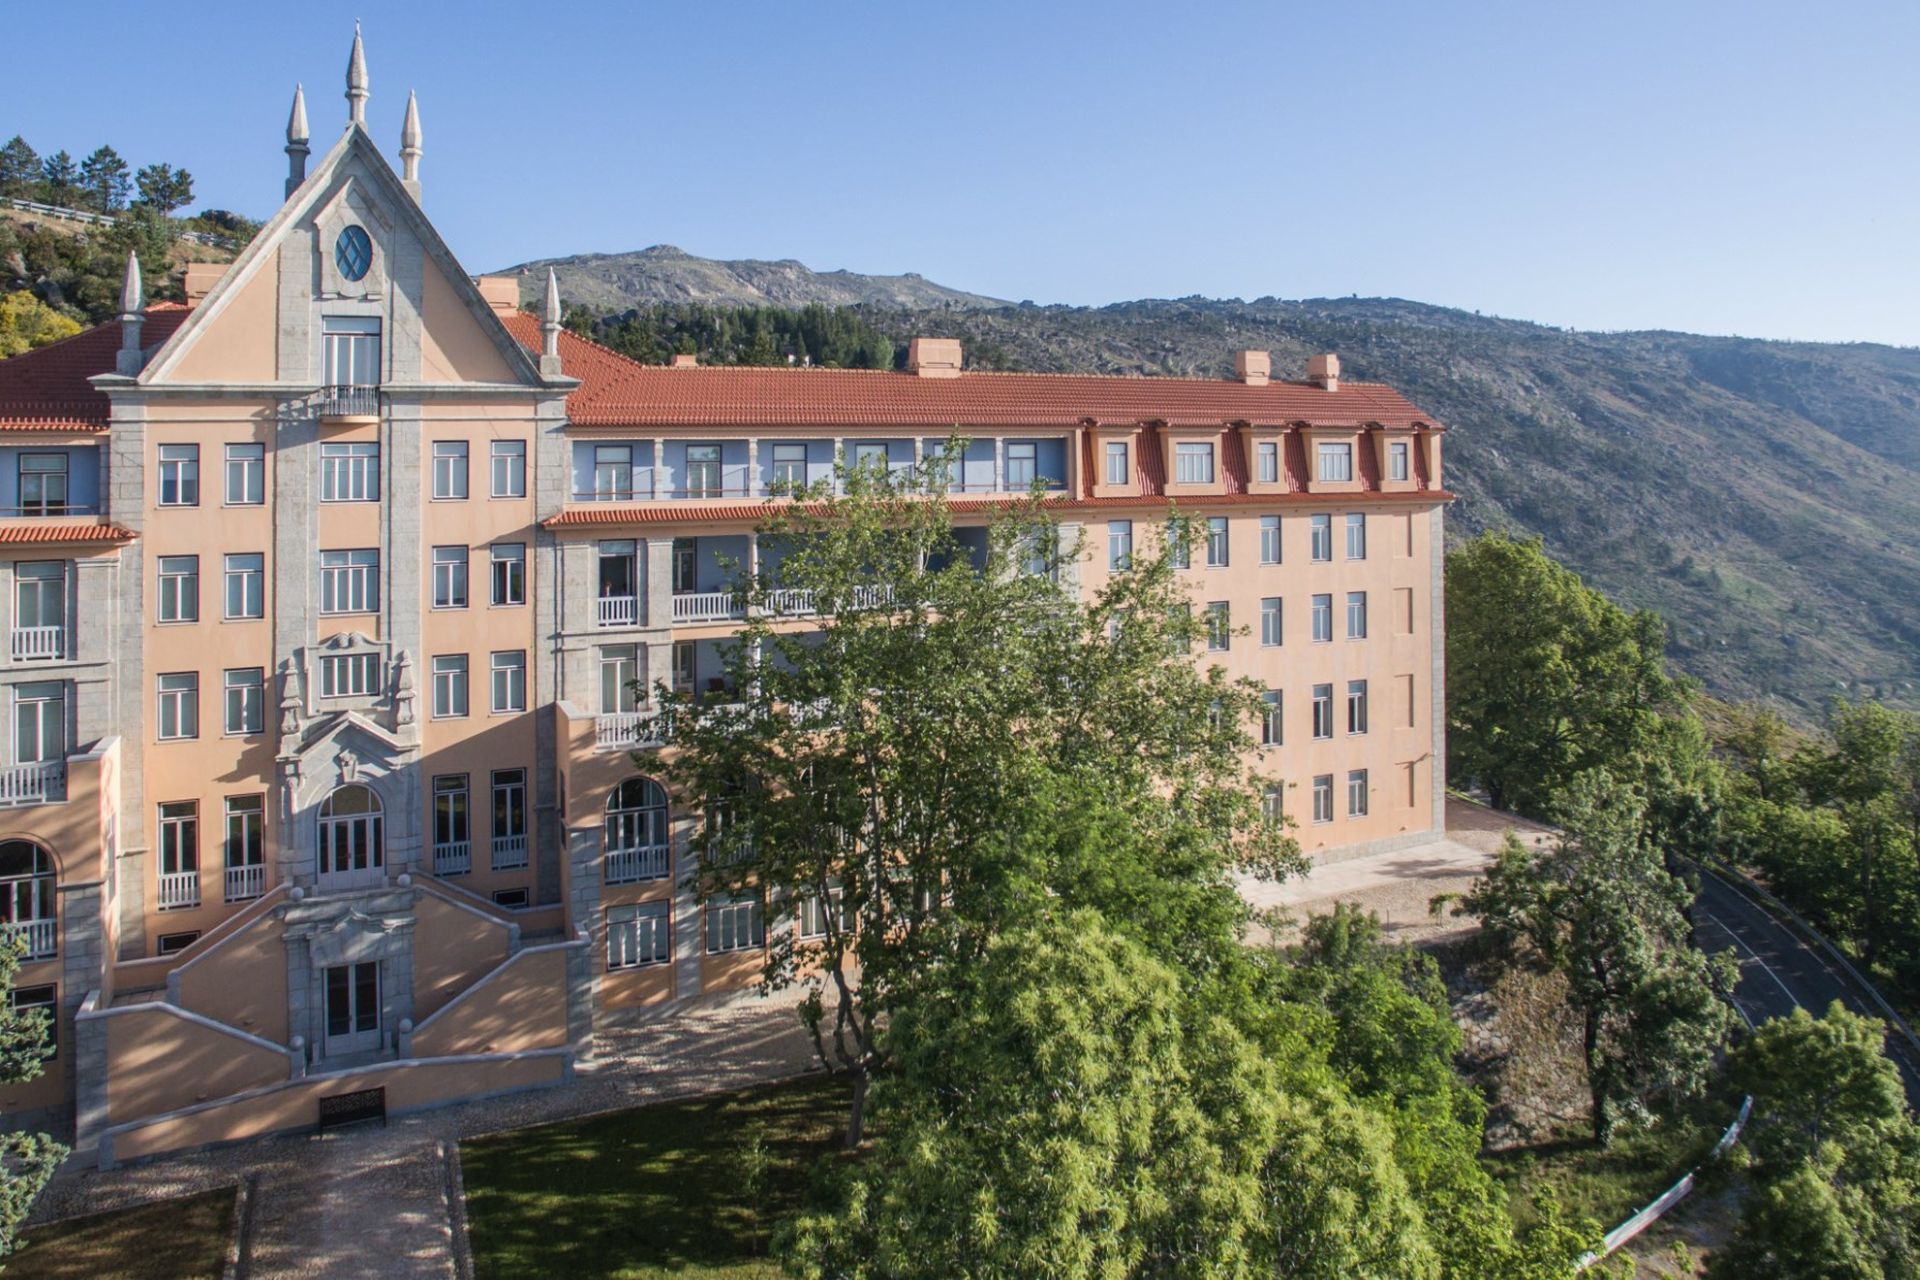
(1777, 971)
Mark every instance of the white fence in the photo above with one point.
(90, 218)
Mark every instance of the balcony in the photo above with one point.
(454, 858)
(342, 405)
(618, 611)
(39, 644)
(509, 852)
(707, 606)
(648, 862)
(246, 882)
(179, 889)
(39, 783)
(628, 730)
(41, 936)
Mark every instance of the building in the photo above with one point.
(325, 593)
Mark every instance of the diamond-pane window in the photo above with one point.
(353, 253)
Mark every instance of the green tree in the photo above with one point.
(1816, 1082)
(27, 1160)
(1546, 677)
(26, 323)
(19, 168)
(62, 178)
(105, 180)
(164, 187)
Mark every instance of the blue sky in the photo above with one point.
(1718, 167)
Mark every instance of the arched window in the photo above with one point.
(637, 832)
(351, 845)
(26, 895)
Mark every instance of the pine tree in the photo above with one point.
(164, 187)
(104, 178)
(61, 176)
(19, 168)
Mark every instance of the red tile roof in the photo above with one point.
(616, 391)
(63, 531)
(46, 389)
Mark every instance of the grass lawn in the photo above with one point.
(170, 1240)
(656, 1191)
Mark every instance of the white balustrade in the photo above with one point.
(790, 602)
(454, 858)
(647, 862)
(874, 596)
(618, 611)
(39, 644)
(179, 889)
(626, 730)
(42, 937)
(707, 606)
(246, 882)
(350, 402)
(509, 852)
(35, 783)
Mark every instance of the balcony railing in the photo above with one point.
(454, 858)
(348, 402)
(38, 644)
(42, 937)
(628, 730)
(49, 510)
(179, 889)
(618, 611)
(649, 862)
(509, 852)
(246, 881)
(707, 606)
(37, 783)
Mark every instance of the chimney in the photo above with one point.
(1324, 371)
(201, 277)
(683, 360)
(934, 357)
(501, 292)
(1254, 368)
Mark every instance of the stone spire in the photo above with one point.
(132, 316)
(410, 148)
(357, 81)
(550, 329)
(297, 141)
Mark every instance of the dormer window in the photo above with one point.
(43, 484)
(1336, 461)
(1193, 462)
(353, 253)
(1117, 470)
(1021, 457)
(1268, 455)
(1397, 460)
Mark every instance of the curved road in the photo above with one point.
(1778, 972)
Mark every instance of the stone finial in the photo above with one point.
(357, 81)
(410, 147)
(297, 137)
(550, 328)
(132, 316)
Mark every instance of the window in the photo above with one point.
(449, 468)
(1022, 457)
(452, 816)
(790, 465)
(172, 944)
(24, 999)
(1397, 460)
(179, 475)
(509, 572)
(179, 705)
(349, 675)
(39, 722)
(516, 899)
(1273, 803)
(246, 475)
(449, 577)
(43, 484)
(509, 819)
(246, 700)
(349, 581)
(449, 686)
(510, 680)
(1357, 793)
(1119, 545)
(245, 847)
(1323, 798)
(352, 343)
(734, 924)
(246, 586)
(1322, 619)
(1269, 539)
(509, 467)
(619, 679)
(1356, 615)
(1193, 462)
(179, 838)
(353, 252)
(638, 935)
(179, 588)
(612, 472)
(1356, 535)
(870, 455)
(1323, 711)
(813, 914)
(1336, 461)
(1271, 734)
(1179, 553)
(1268, 454)
(1322, 538)
(1218, 627)
(703, 470)
(1216, 542)
(1270, 620)
(40, 603)
(1356, 706)
(1117, 470)
(350, 472)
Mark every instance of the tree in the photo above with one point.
(1546, 678)
(27, 1160)
(1815, 1082)
(949, 747)
(105, 181)
(62, 178)
(19, 168)
(26, 323)
(164, 187)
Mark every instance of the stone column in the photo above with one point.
(656, 581)
(127, 479)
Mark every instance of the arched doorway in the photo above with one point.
(352, 850)
(637, 842)
(26, 896)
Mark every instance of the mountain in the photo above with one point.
(1763, 496)
(616, 281)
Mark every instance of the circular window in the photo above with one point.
(353, 253)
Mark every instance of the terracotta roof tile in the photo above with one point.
(46, 389)
(62, 531)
